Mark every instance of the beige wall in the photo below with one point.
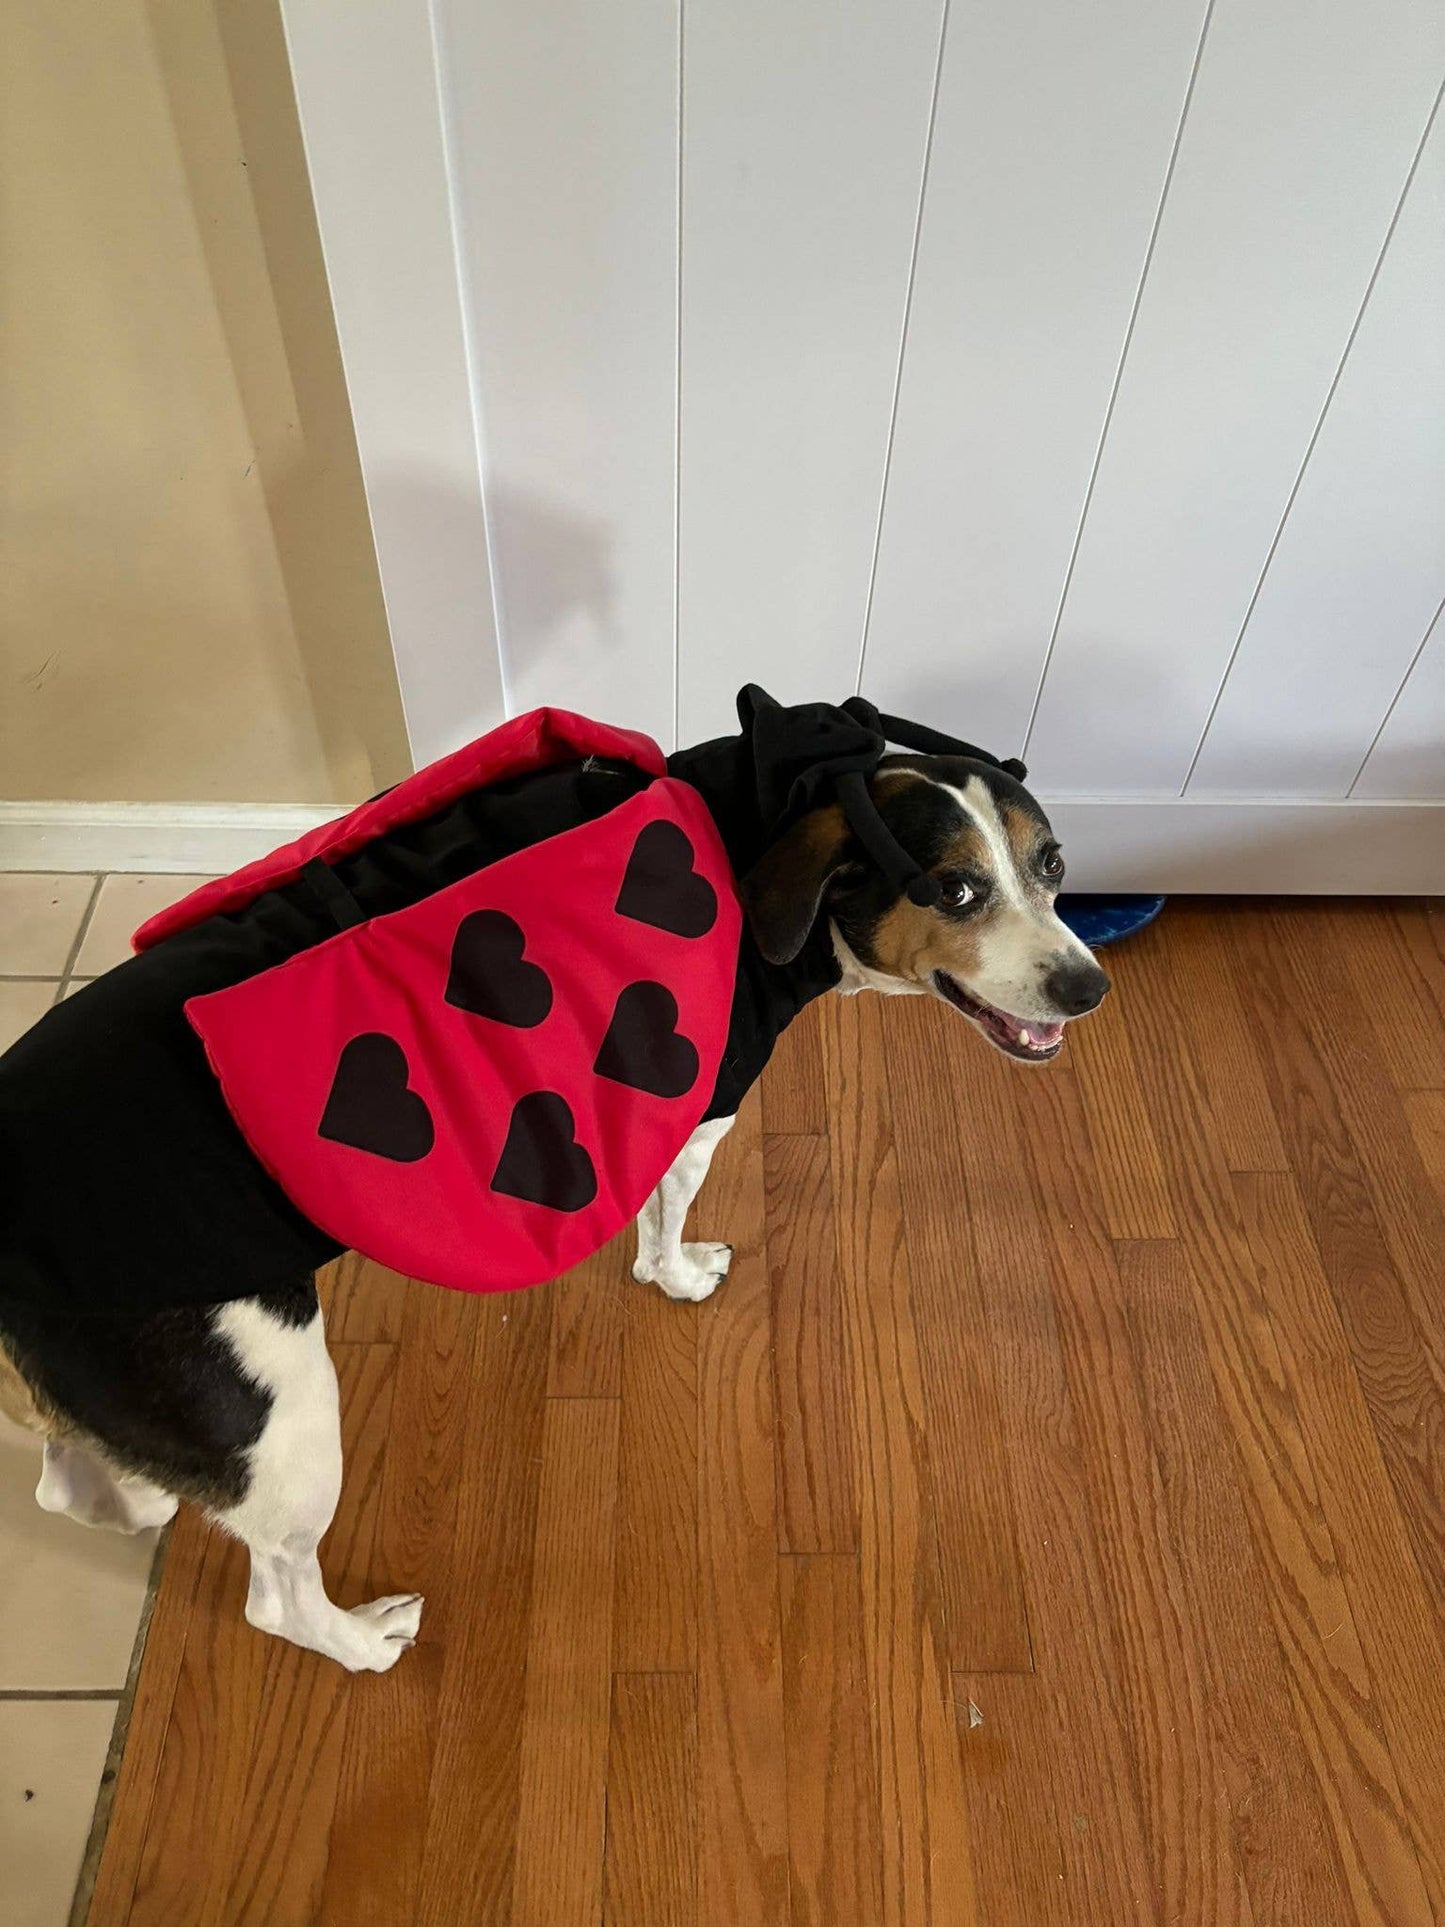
(189, 606)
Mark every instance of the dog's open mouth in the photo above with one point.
(1032, 1042)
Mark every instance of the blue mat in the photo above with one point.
(1101, 920)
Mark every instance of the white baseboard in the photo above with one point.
(1262, 847)
(1176, 844)
(174, 839)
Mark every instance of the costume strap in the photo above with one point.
(906, 876)
(332, 894)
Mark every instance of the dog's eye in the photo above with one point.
(956, 893)
(1052, 863)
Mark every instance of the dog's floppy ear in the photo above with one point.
(783, 892)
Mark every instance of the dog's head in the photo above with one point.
(992, 945)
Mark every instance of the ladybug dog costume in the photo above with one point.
(464, 1029)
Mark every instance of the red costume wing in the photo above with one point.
(482, 1088)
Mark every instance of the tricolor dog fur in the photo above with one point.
(180, 1355)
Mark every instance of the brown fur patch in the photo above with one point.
(1025, 836)
(783, 890)
(18, 1401)
(912, 942)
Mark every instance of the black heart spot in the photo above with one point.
(662, 888)
(488, 975)
(370, 1107)
(541, 1160)
(643, 1046)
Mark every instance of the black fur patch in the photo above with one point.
(163, 1395)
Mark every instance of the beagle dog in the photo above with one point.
(230, 1400)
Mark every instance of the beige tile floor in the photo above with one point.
(74, 1597)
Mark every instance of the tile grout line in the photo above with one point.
(12, 1694)
(73, 955)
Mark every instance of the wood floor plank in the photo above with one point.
(1205, 1005)
(926, 1869)
(817, 1503)
(1127, 1167)
(1420, 922)
(792, 1089)
(1028, 1869)
(472, 1796)
(1406, 1208)
(189, 1848)
(1269, 1587)
(589, 1308)
(652, 1808)
(562, 1797)
(378, 1831)
(981, 1573)
(1397, 1356)
(1399, 1631)
(1162, 1624)
(1388, 954)
(1318, 1639)
(1425, 1114)
(149, 1730)
(743, 1846)
(1095, 1771)
(655, 1622)
(364, 1303)
(833, 1811)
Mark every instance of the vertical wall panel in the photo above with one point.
(1361, 560)
(366, 88)
(563, 128)
(1409, 758)
(1305, 118)
(804, 134)
(1053, 135)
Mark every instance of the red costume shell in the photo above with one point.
(482, 1088)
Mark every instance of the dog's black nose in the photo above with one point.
(1076, 986)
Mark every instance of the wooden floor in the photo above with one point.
(1044, 1523)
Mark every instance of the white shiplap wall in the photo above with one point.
(1075, 376)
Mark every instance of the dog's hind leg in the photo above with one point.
(690, 1271)
(76, 1482)
(293, 1482)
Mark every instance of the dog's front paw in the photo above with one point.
(381, 1631)
(693, 1273)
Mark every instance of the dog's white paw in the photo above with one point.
(380, 1632)
(693, 1275)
